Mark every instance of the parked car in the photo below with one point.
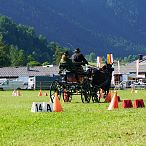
(138, 85)
(12, 84)
(124, 84)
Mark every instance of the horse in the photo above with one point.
(101, 78)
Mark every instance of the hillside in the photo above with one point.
(99, 26)
(19, 43)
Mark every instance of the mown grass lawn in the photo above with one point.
(78, 125)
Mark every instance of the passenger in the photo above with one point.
(65, 62)
(78, 59)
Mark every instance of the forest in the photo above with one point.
(20, 45)
(99, 26)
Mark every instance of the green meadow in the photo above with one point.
(89, 124)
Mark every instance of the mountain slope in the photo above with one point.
(101, 26)
(20, 37)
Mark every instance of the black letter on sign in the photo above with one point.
(36, 107)
(49, 108)
(40, 107)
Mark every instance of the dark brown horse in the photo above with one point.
(101, 78)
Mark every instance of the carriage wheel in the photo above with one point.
(95, 95)
(86, 91)
(55, 88)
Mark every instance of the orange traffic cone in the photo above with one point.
(40, 93)
(114, 102)
(45, 94)
(56, 104)
(14, 93)
(108, 97)
(18, 93)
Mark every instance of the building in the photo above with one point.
(33, 77)
(124, 72)
(15, 72)
(131, 71)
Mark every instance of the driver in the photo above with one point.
(78, 59)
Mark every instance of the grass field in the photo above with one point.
(78, 125)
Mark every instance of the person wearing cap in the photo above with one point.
(78, 59)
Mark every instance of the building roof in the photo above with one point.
(53, 70)
(131, 68)
(32, 71)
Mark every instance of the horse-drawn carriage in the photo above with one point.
(87, 83)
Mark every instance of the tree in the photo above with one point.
(24, 38)
(92, 57)
(34, 63)
(17, 57)
(58, 50)
(45, 63)
(87, 57)
(30, 58)
(22, 58)
(4, 55)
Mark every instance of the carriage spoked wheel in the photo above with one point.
(86, 91)
(55, 88)
(95, 95)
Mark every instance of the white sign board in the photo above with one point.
(41, 107)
